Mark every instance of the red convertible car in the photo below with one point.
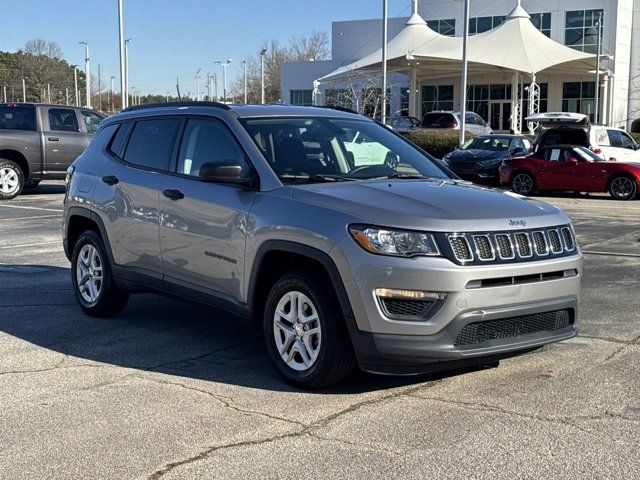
(569, 167)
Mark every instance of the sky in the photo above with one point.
(174, 38)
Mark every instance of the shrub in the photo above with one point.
(635, 126)
(436, 142)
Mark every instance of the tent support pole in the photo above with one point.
(534, 102)
(463, 86)
(516, 103)
(413, 92)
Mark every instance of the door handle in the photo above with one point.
(110, 179)
(53, 139)
(173, 194)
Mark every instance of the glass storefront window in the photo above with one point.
(581, 31)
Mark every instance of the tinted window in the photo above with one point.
(91, 121)
(17, 118)
(439, 120)
(117, 144)
(151, 143)
(63, 120)
(207, 141)
(615, 139)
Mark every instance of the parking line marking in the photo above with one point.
(4, 247)
(36, 217)
(32, 208)
(612, 254)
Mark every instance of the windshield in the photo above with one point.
(345, 149)
(495, 144)
(587, 154)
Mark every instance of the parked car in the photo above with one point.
(402, 124)
(474, 123)
(570, 167)
(480, 157)
(560, 128)
(391, 265)
(38, 142)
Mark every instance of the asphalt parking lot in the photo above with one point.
(173, 390)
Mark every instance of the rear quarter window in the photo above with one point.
(17, 118)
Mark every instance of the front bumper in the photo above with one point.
(392, 345)
(412, 354)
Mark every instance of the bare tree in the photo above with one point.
(313, 47)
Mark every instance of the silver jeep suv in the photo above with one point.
(348, 244)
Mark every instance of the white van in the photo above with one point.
(562, 128)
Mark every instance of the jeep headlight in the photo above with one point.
(398, 243)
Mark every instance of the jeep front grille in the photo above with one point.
(479, 248)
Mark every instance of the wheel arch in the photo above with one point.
(17, 157)
(78, 220)
(275, 257)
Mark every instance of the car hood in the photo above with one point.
(437, 205)
(473, 154)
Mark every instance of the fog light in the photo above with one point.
(409, 294)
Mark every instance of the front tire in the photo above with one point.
(523, 183)
(623, 188)
(92, 279)
(11, 179)
(305, 332)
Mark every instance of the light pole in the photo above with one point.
(198, 85)
(75, 83)
(24, 89)
(224, 66)
(87, 72)
(48, 93)
(598, 47)
(123, 88)
(167, 97)
(384, 62)
(111, 95)
(126, 66)
(244, 64)
(99, 89)
(262, 54)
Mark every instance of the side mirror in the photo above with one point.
(572, 160)
(612, 159)
(224, 171)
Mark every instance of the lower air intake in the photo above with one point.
(480, 332)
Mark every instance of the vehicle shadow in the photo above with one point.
(154, 334)
(44, 189)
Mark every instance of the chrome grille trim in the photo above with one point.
(504, 255)
(480, 249)
(529, 252)
(545, 250)
(568, 241)
(454, 238)
(555, 240)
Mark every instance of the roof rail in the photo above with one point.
(340, 109)
(177, 104)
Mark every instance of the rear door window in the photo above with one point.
(63, 120)
(151, 143)
(17, 118)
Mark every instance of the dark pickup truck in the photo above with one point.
(38, 142)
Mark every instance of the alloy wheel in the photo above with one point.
(297, 331)
(9, 181)
(623, 188)
(523, 183)
(89, 274)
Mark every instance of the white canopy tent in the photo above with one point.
(515, 45)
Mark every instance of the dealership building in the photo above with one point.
(425, 72)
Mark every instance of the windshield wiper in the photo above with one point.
(407, 176)
(315, 178)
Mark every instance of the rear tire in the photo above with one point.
(11, 179)
(623, 187)
(523, 183)
(305, 331)
(92, 278)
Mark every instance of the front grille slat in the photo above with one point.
(477, 333)
(506, 247)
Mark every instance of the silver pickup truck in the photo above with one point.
(38, 142)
